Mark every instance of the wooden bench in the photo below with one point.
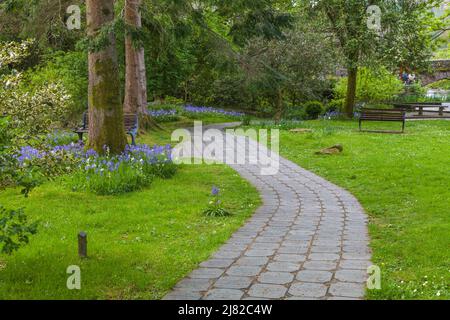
(131, 123)
(393, 115)
(420, 109)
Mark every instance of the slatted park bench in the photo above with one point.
(131, 123)
(392, 115)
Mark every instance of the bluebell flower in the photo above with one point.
(215, 191)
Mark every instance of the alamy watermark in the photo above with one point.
(230, 146)
(74, 279)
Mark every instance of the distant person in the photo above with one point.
(411, 78)
(405, 78)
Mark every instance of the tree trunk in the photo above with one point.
(135, 73)
(351, 92)
(106, 126)
(279, 106)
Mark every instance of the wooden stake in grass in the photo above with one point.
(82, 245)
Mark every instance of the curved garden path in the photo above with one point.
(309, 240)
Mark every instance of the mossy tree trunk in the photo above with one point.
(106, 126)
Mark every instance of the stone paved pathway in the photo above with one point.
(309, 240)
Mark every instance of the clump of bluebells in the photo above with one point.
(35, 166)
(102, 174)
(190, 109)
(134, 169)
(215, 208)
(164, 115)
(61, 138)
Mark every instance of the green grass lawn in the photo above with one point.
(403, 182)
(139, 244)
(162, 136)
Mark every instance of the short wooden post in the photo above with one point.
(82, 245)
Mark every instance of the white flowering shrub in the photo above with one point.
(33, 112)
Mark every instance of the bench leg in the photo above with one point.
(441, 111)
(133, 139)
(360, 124)
(80, 136)
(403, 126)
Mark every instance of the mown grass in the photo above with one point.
(403, 183)
(162, 136)
(139, 244)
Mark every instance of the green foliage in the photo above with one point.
(372, 86)
(246, 120)
(295, 113)
(15, 230)
(313, 109)
(71, 71)
(442, 85)
(335, 105)
(33, 112)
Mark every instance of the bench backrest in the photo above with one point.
(130, 121)
(391, 114)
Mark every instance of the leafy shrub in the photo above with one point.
(70, 70)
(295, 113)
(372, 86)
(336, 105)
(442, 85)
(34, 112)
(313, 109)
(14, 230)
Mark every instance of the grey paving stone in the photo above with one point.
(206, 273)
(323, 257)
(347, 289)
(223, 254)
(270, 291)
(313, 290)
(233, 282)
(217, 263)
(285, 257)
(264, 246)
(355, 264)
(283, 266)
(259, 253)
(183, 294)
(195, 284)
(358, 276)
(276, 277)
(314, 276)
(243, 271)
(224, 294)
(292, 250)
(320, 265)
(252, 261)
